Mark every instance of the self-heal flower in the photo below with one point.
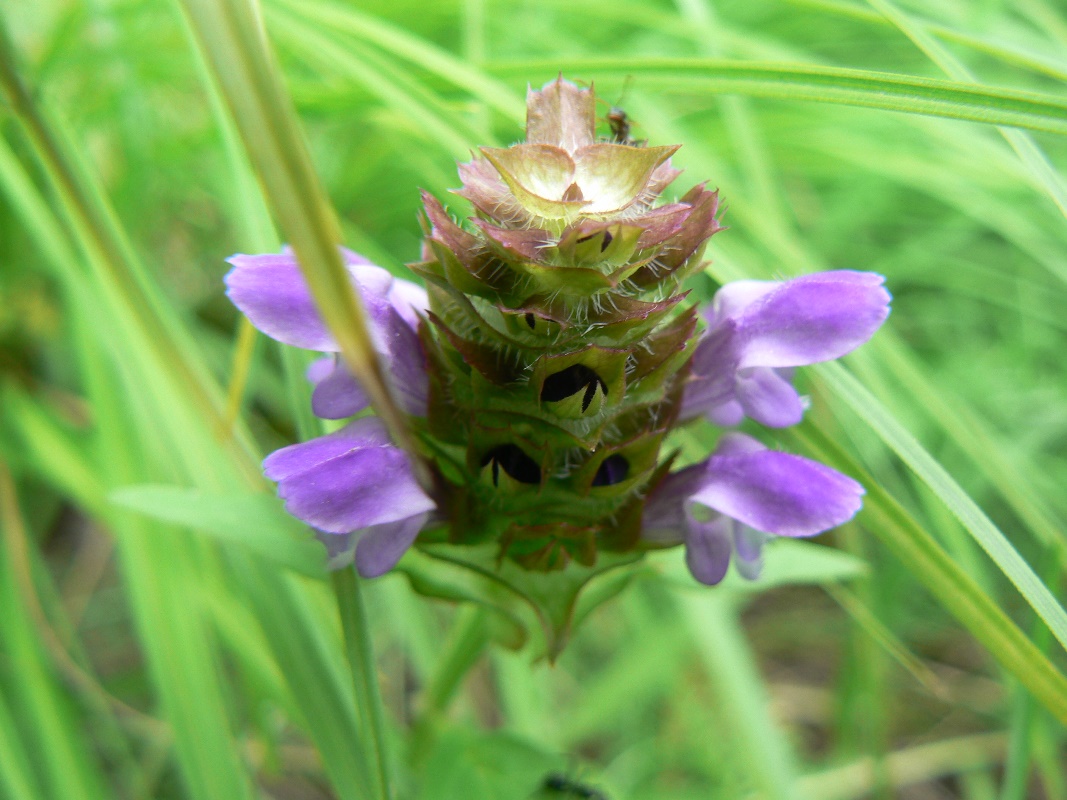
(740, 497)
(552, 352)
(354, 487)
(358, 489)
(758, 331)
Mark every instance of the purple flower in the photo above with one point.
(353, 486)
(357, 489)
(272, 293)
(759, 330)
(740, 497)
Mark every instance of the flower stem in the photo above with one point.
(466, 642)
(361, 663)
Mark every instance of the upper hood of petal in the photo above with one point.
(273, 294)
(802, 321)
(352, 479)
(775, 492)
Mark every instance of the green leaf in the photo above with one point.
(255, 521)
(469, 765)
(552, 595)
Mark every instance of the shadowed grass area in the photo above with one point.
(169, 633)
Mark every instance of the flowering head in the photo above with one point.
(551, 352)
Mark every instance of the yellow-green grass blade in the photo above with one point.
(821, 84)
(232, 40)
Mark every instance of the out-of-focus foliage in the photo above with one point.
(153, 645)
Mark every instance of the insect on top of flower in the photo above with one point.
(550, 353)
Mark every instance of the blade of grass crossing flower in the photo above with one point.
(991, 539)
(884, 517)
(878, 90)
(306, 659)
(199, 753)
(235, 48)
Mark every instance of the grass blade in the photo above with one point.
(821, 84)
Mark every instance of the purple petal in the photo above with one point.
(664, 519)
(707, 549)
(350, 257)
(410, 300)
(337, 394)
(713, 372)
(270, 290)
(778, 493)
(340, 548)
(381, 546)
(727, 415)
(768, 398)
(405, 362)
(348, 480)
(734, 297)
(810, 319)
(748, 549)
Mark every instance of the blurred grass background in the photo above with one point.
(202, 657)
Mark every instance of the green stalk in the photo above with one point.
(233, 43)
(885, 517)
(466, 641)
(361, 662)
(742, 694)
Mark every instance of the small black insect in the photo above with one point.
(619, 122)
(561, 785)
